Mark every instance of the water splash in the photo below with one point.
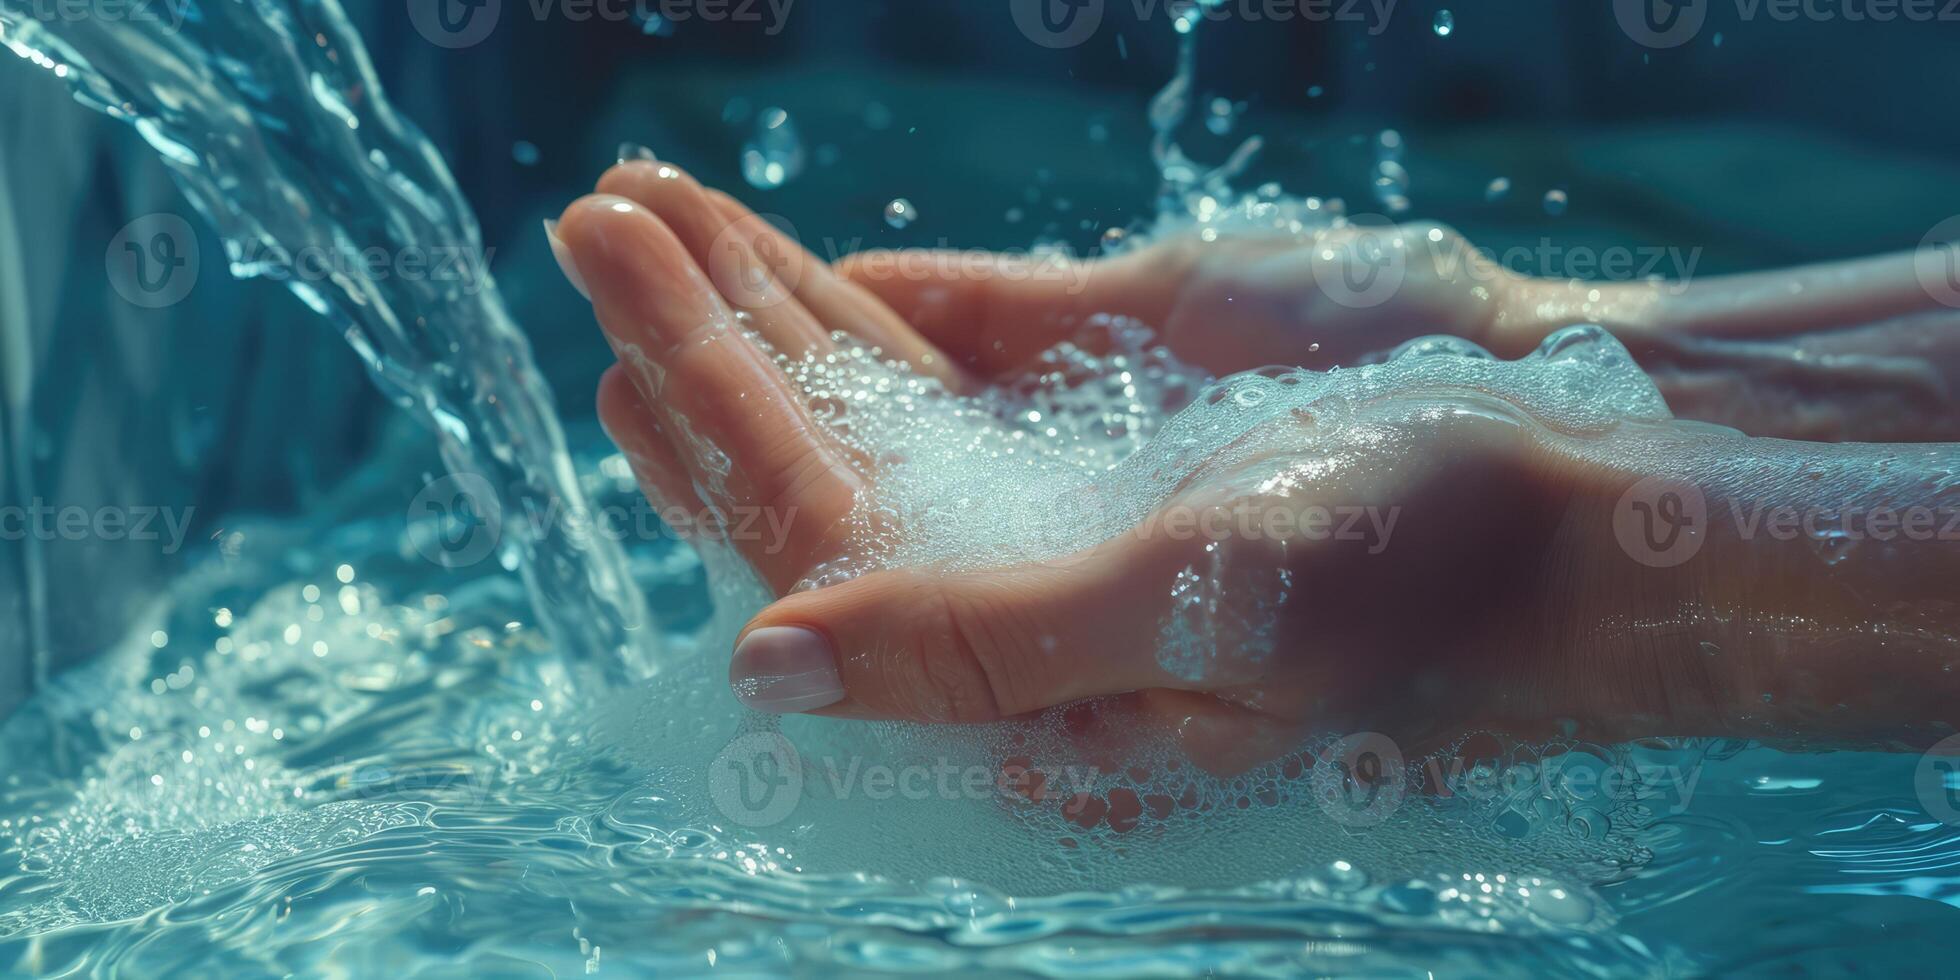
(271, 120)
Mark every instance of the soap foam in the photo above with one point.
(1096, 435)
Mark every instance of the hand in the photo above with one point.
(1327, 297)
(699, 409)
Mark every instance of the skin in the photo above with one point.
(1504, 598)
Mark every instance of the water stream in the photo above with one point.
(269, 116)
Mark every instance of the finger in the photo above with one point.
(747, 441)
(842, 305)
(993, 312)
(636, 430)
(923, 646)
(759, 282)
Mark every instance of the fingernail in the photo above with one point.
(782, 670)
(630, 151)
(564, 256)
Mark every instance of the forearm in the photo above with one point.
(1823, 597)
(1850, 351)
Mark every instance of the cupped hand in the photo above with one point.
(1373, 584)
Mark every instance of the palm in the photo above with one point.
(680, 276)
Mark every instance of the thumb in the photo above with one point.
(916, 645)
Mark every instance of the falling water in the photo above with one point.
(270, 118)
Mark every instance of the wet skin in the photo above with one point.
(1506, 599)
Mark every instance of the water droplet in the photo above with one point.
(525, 153)
(774, 155)
(1315, 91)
(1223, 116)
(1498, 189)
(1560, 906)
(1392, 186)
(1445, 23)
(1410, 898)
(630, 151)
(1555, 202)
(1341, 876)
(900, 213)
(1833, 545)
(1388, 146)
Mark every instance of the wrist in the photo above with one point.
(1713, 584)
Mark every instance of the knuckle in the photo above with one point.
(949, 672)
